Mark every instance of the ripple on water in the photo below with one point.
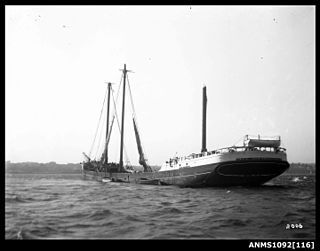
(166, 203)
(14, 199)
(171, 210)
(233, 222)
(184, 201)
(100, 214)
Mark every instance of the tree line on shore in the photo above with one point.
(53, 167)
(50, 167)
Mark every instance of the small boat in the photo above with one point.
(257, 161)
(265, 142)
(106, 180)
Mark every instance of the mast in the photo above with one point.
(204, 119)
(107, 129)
(122, 120)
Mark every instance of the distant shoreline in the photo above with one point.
(72, 168)
(50, 168)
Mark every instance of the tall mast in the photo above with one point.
(122, 121)
(107, 129)
(204, 119)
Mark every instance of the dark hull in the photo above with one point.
(235, 173)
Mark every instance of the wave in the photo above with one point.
(281, 223)
(290, 214)
(171, 210)
(47, 198)
(184, 201)
(23, 234)
(17, 199)
(132, 218)
(271, 185)
(233, 222)
(100, 214)
(45, 229)
(165, 203)
(77, 215)
(300, 197)
(14, 198)
(306, 210)
(165, 212)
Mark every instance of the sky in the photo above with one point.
(257, 62)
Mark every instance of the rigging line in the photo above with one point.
(100, 136)
(114, 102)
(135, 117)
(109, 135)
(238, 141)
(98, 147)
(98, 124)
(113, 116)
(111, 125)
(133, 110)
(119, 87)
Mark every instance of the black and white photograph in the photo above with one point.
(161, 122)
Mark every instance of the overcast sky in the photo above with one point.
(258, 64)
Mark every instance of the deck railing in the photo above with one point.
(228, 150)
(259, 137)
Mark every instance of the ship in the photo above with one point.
(253, 163)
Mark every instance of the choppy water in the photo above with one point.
(66, 206)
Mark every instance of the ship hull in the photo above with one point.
(231, 173)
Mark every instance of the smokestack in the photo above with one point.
(204, 119)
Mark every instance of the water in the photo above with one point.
(66, 206)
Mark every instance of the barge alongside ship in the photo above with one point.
(254, 163)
